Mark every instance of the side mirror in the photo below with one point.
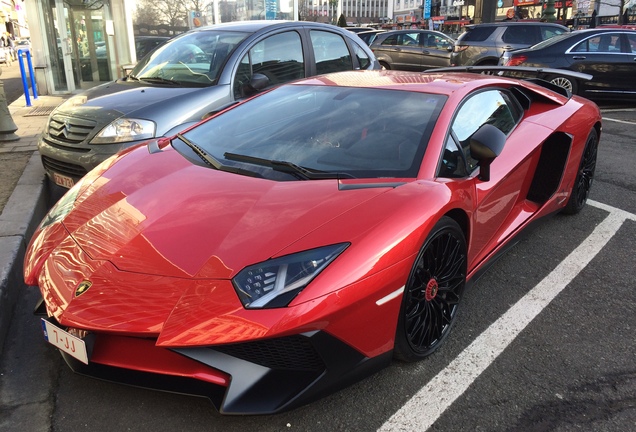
(485, 145)
(450, 48)
(257, 83)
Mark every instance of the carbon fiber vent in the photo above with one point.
(291, 353)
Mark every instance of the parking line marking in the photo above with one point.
(619, 121)
(430, 402)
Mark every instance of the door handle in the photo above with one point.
(579, 57)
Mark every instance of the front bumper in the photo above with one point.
(260, 377)
(74, 159)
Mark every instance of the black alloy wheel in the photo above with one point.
(432, 293)
(584, 177)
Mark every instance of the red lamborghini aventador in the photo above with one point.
(304, 238)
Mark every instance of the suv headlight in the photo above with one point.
(274, 283)
(125, 130)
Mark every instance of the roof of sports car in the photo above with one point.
(440, 83)
(443, 82)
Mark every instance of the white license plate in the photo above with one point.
(72, 345)
(62, 180)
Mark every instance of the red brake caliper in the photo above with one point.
(431, 289)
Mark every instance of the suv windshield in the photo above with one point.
(355, 132)
(194, 59)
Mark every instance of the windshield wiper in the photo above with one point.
(159, 80)
(213, 162)
(287, 167)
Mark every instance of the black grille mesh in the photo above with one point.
(63, 168)
(291, 353)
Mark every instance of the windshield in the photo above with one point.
(193, 59)
(354, 132)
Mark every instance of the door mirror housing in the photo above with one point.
(485, 145)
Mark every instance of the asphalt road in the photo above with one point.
(543, 342)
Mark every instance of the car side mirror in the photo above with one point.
(450, 48)
(485, 145)
(257, 83)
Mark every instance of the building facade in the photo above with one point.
(77, 44)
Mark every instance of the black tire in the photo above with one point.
(569, 84)
(584, 177)
(432, 293)
(385, 65)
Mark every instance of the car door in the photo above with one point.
(402, 49)
(435, 50)
(279, 57)
(608, 59)
(499, 202)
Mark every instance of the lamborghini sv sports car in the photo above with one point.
(301, 239)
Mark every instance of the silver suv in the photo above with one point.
(483, 44)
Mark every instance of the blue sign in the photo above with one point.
(271, 6)
(427, 9)
(499, 3)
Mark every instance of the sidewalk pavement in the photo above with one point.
(27, 204)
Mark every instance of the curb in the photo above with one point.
(23, 211)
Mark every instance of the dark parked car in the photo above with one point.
(412, 50)
(187, 79)
(483, 44)
(608, 54)
(369, 36)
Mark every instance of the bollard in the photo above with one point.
(25, 85)
(7, 125)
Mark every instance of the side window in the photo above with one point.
(408, 39)
(615, 44)
(520, 34)
(279, 57)
(582, 47)
(363, 58)
(631, 37)
(453, 165)
(477, 34)
(493, 107)
(331, 52)
(600, 44)
(242, 78)
(391, 40)
(433, 41)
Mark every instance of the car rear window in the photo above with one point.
(477, 34)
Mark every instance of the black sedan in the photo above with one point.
(608, 54)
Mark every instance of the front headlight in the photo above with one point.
(125, 130)
(62, 207)
(274, 283)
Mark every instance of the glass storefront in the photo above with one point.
(77, 45)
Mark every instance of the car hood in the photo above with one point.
(110, 101)
(160, 214)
